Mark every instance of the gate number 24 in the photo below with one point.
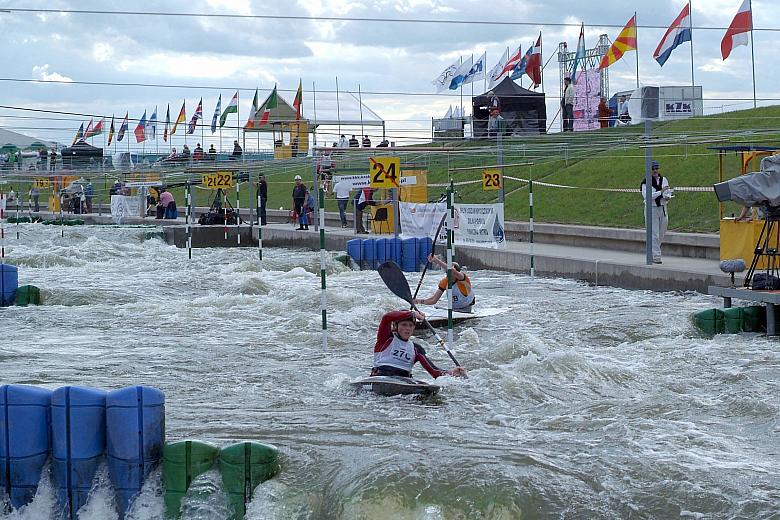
(385, 172)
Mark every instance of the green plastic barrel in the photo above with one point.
(244, 465)
(732, 320)
(28, 295)
(754, 318)
(183, 461)
(710, 321)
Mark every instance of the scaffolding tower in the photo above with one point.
(592, 59)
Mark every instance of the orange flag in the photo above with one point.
(626, 41)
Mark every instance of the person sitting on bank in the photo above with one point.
(395, 353)
(167, 202)
(212, 153)
(366, 142)
(197, 154)
(353, 142)
(462, 292)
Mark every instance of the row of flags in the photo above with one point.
(517, 64)
(147, 129)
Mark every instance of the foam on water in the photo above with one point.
(582, 402)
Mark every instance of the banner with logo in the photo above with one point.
(478, 225)
(123, 206)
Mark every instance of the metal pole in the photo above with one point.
(450, 253)
(690, 24)
(259, 226)
(238, 213)
(2, 227)
(188, 221)
(648, 198)
(752, 53)
(637, 57)
(531, 220)
(500, 159)
(318, 205)
(360, 101)
(338, 108)
(323, 265)
(314, 130)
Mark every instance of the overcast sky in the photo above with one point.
(388, 61)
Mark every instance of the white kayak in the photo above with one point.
(394, 385)
(438, 317)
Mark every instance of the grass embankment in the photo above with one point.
(608, 158)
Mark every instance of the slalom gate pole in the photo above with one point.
(531, 222)
(238, 212)
(259, 227)
(62, 221)
(17, 217)
(450, 246)
(324, 294)
(2, 227)
(224, 210)
(188, 220)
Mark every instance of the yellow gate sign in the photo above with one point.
(42, 182)
(492, 180)
(385, 172)
(218, 180)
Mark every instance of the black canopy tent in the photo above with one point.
(81, 155)
(524, 111)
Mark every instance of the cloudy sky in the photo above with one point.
(391, 62)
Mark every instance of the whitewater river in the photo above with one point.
(583, 402)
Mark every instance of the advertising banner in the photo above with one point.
(478, 225)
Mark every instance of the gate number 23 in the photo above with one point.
(491, 180)
(385, 172)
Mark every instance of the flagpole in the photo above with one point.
(637, 51)
(752, 53)
(314, 93)
(338, 109)
(238, 115)
(360, 100)
(690, 25)
(541, 58)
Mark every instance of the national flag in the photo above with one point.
(460, 73)
(182, 117)
(443, 80)
(579, 56)
(736, 34)
(97, 129)
(519, 69)
(79, 134)
(513, 60)
(111, 131)
(252, 121)
(477, 70)
(216, 114)
(626, 41)
(678, 33)
(140, 129)
(88, 129)
(495, 72)
(298, 103)
(151, 128)
(122, 129)
(232, 108)
(270, 103)
(534, 65)
(197, 115)
(167, 122)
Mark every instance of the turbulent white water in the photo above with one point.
(583, 402)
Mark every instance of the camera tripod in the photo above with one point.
(768, 248)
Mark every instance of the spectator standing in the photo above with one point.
(343, 142)
(326, 169)
(167, 202)
(567, 105)
(299, 196)
(89, 192)
(342, 189)
(604, 113)
(366, 142)
(262, 194)
(661, 194)
(35, 195)
(52, 159)
(42, 155)
(237, 151)
(623, 115)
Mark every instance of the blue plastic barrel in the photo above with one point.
(78, 430)
(135, 438)
(424, 247)
(9, 282)
(394, 250)
(355, 250)
(25, 416)
(409, 254)
(380, 251)
(369, 254)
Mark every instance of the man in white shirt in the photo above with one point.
(342, 189)
(661, 193)
(567, 105)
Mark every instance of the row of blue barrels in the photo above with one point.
(410, 253)
(9, 283)
(79, 427)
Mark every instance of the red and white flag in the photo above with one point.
(736, 34)
(534, 65)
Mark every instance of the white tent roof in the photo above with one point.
(20, 140)
(346, 110)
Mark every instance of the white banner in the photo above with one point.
(123, 206)
(363, 181)
(479, 225)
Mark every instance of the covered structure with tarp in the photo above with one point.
(81, 155)
(326, 115)
(523, 111)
